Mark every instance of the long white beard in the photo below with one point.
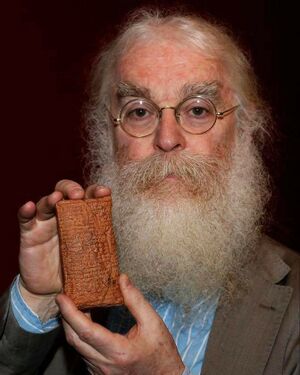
(186, 238)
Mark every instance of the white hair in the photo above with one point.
(212, 41)
(206, 233)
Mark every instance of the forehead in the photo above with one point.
(164, 67)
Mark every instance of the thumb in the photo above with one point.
(136, 303)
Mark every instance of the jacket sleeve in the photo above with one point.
(22, 352)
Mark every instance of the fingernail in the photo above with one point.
(102, 188)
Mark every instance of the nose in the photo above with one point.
(168, 136)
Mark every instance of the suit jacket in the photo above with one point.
(259, 335)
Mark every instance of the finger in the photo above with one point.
(89, 353)
(70, 189)
(91, 333)
(139, 307)
(45, 208)
(26, 212)
(97, 191)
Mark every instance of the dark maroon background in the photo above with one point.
(45, 49)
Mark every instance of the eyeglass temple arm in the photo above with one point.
(116, 121)
(226, 112)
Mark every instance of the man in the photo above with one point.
(175, 127)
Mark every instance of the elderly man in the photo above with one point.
(175, 131)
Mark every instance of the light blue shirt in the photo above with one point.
(27, 319)
(190, 332)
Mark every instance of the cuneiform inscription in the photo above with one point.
(87, 244)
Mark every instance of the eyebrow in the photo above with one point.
(125, 89)
(210, 89)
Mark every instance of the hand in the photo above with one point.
(148, 348)
(39, 258)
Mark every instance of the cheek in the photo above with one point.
(211, 143)
(133, 148)
(224, 139)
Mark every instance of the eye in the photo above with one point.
(139, 117)
(198, 111)
(137, 112)
(196, 115)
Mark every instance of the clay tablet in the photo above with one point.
(88, 252)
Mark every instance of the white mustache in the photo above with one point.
(195, 171)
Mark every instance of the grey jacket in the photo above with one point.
(259, 336)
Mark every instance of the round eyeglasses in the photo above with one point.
(140, 117)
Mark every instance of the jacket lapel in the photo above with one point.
(241, 339)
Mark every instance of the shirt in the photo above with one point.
(190, 331)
